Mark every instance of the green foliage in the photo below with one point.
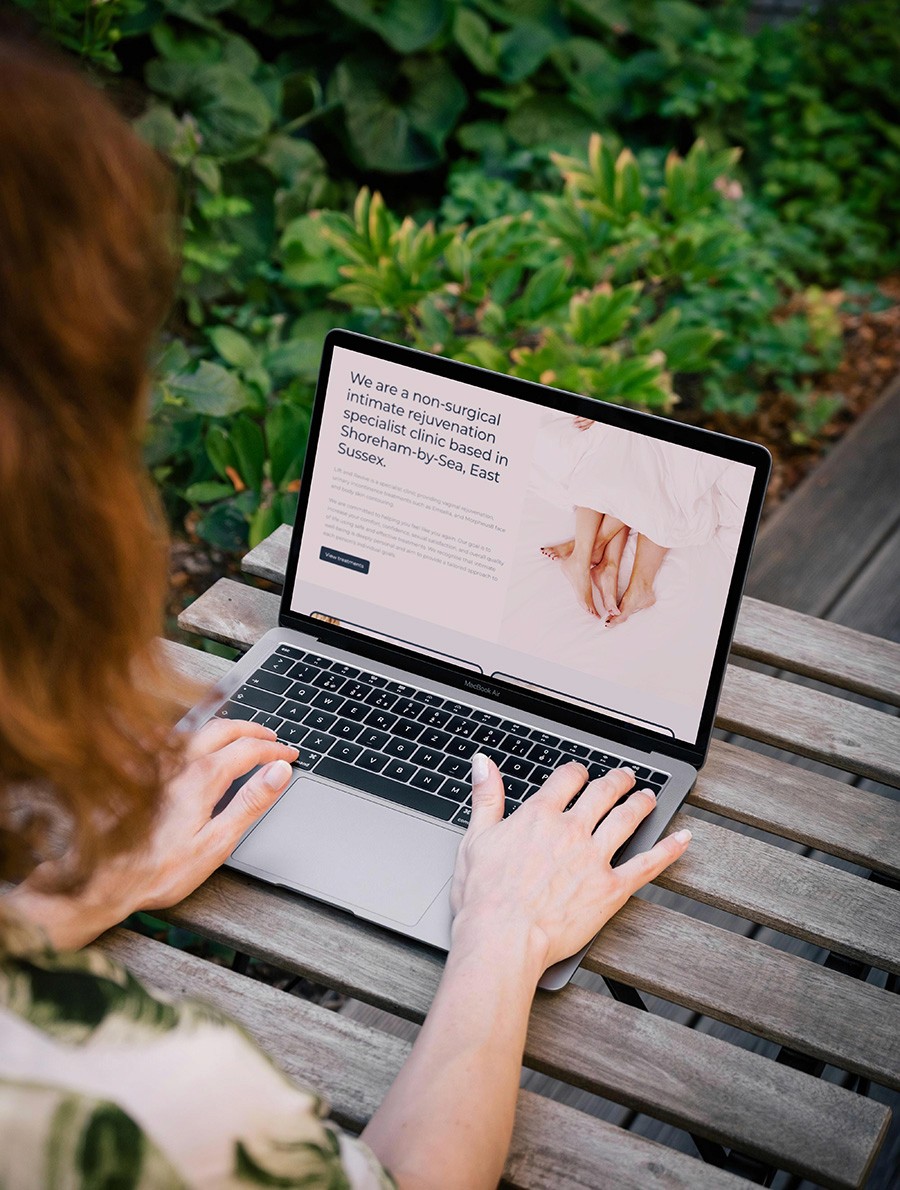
(512, 236)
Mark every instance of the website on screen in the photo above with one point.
(556, 552)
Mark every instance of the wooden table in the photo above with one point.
(744, 1109)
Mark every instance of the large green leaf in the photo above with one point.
(250, 449)
(406, 25)
(233, 114)
(287, 429)
(212, 389)
(549, 120)
(398, 115)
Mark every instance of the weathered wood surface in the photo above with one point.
(805, 721)
(807, 807)
(353, 1066)
(799, 643)
(697, 1082)
(848, 505)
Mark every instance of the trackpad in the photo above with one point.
(361, 854)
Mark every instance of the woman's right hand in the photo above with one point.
(544, 875)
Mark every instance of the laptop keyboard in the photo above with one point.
(406, 745)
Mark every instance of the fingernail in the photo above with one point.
(269, 731)
(276, 774)
(684, 836)
(649, 793)
(480, 768)
(628, 771)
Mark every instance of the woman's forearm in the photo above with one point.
(447, 1120)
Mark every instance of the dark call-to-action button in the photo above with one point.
(337, 558)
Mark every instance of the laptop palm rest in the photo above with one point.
(345, 848)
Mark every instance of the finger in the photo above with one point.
(641, 869)
(487, 794)
(601, 795)
(251, 801)
(215, 772)
(622, 821)
(219, 732)
(561, 786)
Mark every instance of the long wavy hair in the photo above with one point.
(87, 268)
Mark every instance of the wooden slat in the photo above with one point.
(801, 644)
(353, 1066)
(870, 603)
(852, 824)
(817, 542)
(813, 724)
(831, 730)
(697, 1082)
(831, 653)
(807, 807)
(788, 892)
(817, 1011)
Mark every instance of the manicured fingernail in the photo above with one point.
(649, 793)
(480, 768)
(629, 772)
(292, 748)
(276, 774)
(684, 836)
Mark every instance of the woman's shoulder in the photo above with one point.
(92, 1060)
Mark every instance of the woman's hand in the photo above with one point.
(543, 876)
(185, 843)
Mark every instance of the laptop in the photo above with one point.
(483, 563)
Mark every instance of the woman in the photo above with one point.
(102, 812)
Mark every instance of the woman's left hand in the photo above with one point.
(185, 843)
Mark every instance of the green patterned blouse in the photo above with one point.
(104, 1084)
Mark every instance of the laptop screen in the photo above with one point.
(560, 552)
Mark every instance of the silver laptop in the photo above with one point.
(483, 563)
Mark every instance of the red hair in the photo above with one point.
(87, 269)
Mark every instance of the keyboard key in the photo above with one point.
(329, 681)
(290, 651)
(291, 733)
(509, 807)
(346, 750)
(515, 788)
(303, 672)
(393, 791)
(399, 770)
(578, 751)
(382, 720)
(355, 710)
(424, 779)
(457, 708)
(371, 738)
(295, 711)
(317, 660)
(406, 708)
(262, 700)
(268, 720)
(264, 680)
(381, 698)
(434, 717)
(488, 737)
(455, 766)
(659, 778)
(426, 697)
(596, 771)
(327, 700)
(540, 775)
(235, 710)
(428, 758)
(544, 737)
(432, 738)
(346, 729)
(459, 726)
(462, 747)
(462, 816)
(301, 692)
(458, 790)
(516, 766)
(319, 741)
(409, 729)
(397, 746)
(307, 760)
(516, 745)
(357, 690)
(514, 728)
(277, 665)
(346, 671)
(320, 720)
(372, 762)
(400, 689)
(374, 679)
(541, 754)
(487, 717)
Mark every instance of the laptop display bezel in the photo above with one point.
(427, 666)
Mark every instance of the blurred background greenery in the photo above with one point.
(636, 199)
